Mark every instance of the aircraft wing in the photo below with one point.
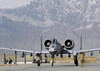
(89, 50)
(27, 51)
(45, 52)
(19, 50)
(78, 51)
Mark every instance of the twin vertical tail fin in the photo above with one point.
(81, 42)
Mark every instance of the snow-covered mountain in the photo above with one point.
(22, 27)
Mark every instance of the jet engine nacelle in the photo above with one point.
(69, 44)
(47, 44)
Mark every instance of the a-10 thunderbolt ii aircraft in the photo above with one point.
(54, 48)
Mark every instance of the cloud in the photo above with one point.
(13, 3)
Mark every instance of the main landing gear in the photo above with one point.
(38, 63)
(75, 60)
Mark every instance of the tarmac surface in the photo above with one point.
(56, 67)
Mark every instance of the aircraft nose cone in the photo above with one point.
(52, 48)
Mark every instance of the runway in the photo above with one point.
(57, 67)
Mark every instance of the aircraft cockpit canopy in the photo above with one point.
(54, 41)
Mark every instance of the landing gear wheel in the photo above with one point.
(52, 64)
(52, 60)
(76, 62)
(38, 63)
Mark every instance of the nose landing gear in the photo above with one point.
(52, 60)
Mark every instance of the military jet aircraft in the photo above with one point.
(55, 48)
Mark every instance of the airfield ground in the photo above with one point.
(56, 67)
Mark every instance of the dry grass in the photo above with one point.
(71, 60)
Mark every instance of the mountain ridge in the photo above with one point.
(51, 19)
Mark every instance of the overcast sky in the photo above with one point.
(13, 3)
